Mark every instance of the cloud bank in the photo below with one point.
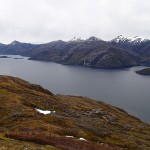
(39, 21)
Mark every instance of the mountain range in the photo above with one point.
(92, 52)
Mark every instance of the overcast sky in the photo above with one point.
(41, 21)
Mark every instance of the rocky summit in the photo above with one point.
(33, 118)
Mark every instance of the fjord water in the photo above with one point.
(122, 87)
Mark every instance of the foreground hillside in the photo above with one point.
(33, 118)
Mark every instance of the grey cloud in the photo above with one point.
(41, 21)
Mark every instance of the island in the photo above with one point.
(145, 71)
(18, 58)
(4, 57)
(32, 117)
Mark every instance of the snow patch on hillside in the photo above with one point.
(45, 112)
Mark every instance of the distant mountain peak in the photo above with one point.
(15, 42)
(93, 38)
(77, 39)
(135, 39)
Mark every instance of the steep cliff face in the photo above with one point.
(31, 117)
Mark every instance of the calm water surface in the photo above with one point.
(123, 88)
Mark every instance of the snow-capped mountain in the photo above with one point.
(122, 39)
(93, 38)
(137, 44)
(14, 43)
(77, 39)
(118, 39)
